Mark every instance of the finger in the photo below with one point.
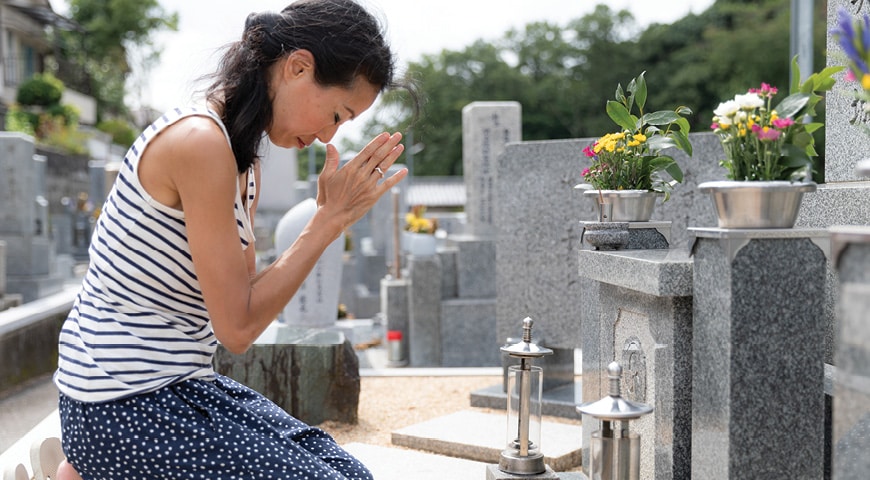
(389, 158)
(391, 181)
(377, 149)
(332, 157)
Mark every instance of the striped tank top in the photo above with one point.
(139, 322)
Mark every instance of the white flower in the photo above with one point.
(726, 110)
(749, 101)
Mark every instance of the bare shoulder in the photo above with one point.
(194, 149)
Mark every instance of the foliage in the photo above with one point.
(113, 33)
(631, 158)
(40, 114)
(42, 89)
(853, 35)
(559, 73)
(121, 131)
(763, 143)
(416, 222)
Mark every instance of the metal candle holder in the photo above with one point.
(523, 454)
(614, 454)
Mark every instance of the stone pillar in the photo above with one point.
(394, 307)
(758, 407)
(424, 328)
(851, 416)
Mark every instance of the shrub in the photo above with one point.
(42, 89)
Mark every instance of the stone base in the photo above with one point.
(493, 473)
(467, 339)
(312, 374)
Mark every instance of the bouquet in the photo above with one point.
(415, 222)
(764, 142)
(853, 35)
(631, 158)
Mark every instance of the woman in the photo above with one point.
(172, 269)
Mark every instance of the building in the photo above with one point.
(26, 49)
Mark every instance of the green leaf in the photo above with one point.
(682, 141)
(620, 115)
(640, 92)
(792, 104)
(795, 84)
(668, 165)
(662, 117)
(660, 142)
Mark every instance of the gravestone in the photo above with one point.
(487, 127)
(278, 175)
(316, 302)
(24, 219)
(846, 118)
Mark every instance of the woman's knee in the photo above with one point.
(65, 471)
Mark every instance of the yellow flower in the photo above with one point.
(865, 81)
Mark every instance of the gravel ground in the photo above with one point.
(390, 403)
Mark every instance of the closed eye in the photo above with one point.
(337, 118)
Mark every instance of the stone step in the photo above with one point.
(559, 401)
(481, 436)
(399, 464)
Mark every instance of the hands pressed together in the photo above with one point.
(349, 192)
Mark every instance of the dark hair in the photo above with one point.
(345, 40)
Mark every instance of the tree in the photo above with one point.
(113, 33)
(563, 76)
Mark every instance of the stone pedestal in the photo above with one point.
(642, 235)
(641, 316)
(313, 374)
(758, 403)
(851, 416)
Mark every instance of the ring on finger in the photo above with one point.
(380, 172)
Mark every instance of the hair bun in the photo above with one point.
(261, 20)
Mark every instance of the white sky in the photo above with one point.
(414, 28)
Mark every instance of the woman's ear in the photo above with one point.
(298, 63)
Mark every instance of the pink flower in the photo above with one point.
(765, 133)
(765, 90)
(585, 172)
(588, 151)
(850, 76)
(714, 126)
(783, 123)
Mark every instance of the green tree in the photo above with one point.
(113, 33)
(563, 76)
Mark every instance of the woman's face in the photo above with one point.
(304, 111)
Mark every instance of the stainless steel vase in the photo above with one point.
(753, 205)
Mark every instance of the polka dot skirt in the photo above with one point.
(199, 430)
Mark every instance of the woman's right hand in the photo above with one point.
(345, 194)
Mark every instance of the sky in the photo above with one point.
(414, 28)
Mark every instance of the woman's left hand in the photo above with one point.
(347, 193)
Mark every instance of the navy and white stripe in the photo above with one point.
(139, 322)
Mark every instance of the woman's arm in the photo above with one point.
(200, 168)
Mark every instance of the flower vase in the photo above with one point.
(628, 205)
(419, 244)
(756, 204)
